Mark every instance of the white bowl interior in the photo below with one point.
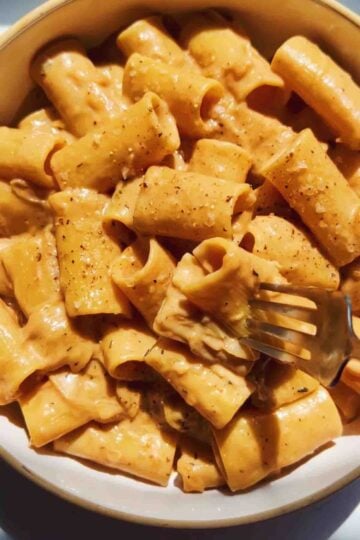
(269, 23)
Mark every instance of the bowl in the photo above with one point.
(269, 23)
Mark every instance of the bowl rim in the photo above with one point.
(316, 497)
(15, 30)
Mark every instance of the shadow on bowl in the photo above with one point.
(27, 512)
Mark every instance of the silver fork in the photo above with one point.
(330, 347)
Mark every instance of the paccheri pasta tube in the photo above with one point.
(76, 88)
(197, 206)
(322, 84)
(228, 56)
(190, 96)
(86, 253)
(142, 136)
(149, 37)
(19, 214)
(32, 267)
(310, 182)
(136, 447)
(213, 390)
(302, 262)
(220, 160)
(256, 444)
(124, 346)
(143, 273)
(25, 154)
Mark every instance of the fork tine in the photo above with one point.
(307, 292)
(286, 334)
(270, 350)
(302, 313)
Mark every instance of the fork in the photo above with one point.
(329, 348)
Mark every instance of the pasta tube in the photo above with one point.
(182, 321)
(190, 96)
(129, 399)
(301, 262)
(90, 391)
(20, 215)
(228, 56)
(221, 277)
(351, 374)
(149, 37)
(348, 163)
(124, 347)
(47, 342)
(197, 206)
(310, 182)
(281, 384)
(31, 265)
(27, 154)
(85, 253)
(197, 468)
(213, 390)
(48, 415)
(256, 444)
(346, 400)
(57, 339)
(220, 160)
(121, 148)
(123, 201)
(260, 135)
(47, 121)
(322, 84)
(75, 87)
(143, 273)
(135, 446)
(17, 363)
(171, 411)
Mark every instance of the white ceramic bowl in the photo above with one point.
(270, 23)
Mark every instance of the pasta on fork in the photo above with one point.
(141, 208)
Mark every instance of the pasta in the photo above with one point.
(73, 84)
(20, 214)
(307, 178)
(228, 56)
(256, 444)
(201, 386)
(198, 206)
(197, 468)
(143, 273)
(322, 84)
(302, 263)
(166, 175)
(121, 150)
(31, 265)
(220, 160)
(27, 154)
(137, 447)
(190, 97)
(86, 253)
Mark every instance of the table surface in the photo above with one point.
(27, 512)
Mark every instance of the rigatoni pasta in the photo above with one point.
(322, 84)
(310, 182)
(169, 174)
(190, 97)
(73, 84)
(86, 253)
(198, 206)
